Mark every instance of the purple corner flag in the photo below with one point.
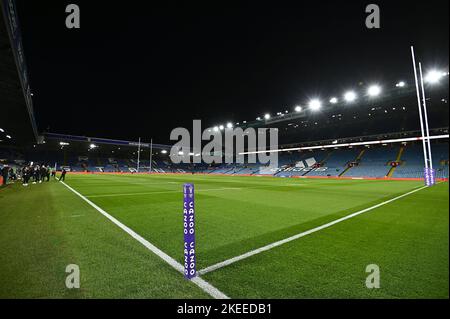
(189, 231)
(430, 176)
(426, 172)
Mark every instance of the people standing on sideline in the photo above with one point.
(36, 174)
(43, 173)
(5, 174)
(47, 173)
(26, 174)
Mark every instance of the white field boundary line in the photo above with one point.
(177, 191)
(204, 285)
(163, 192)
(303, 234)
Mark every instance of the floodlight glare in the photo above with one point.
(350, 96)
(163, 152)
(400, 84)
(333, 100)
(267, 116)
(298, 108)
(216, 129)
(221, 127)
(92, 146)
(315, 104)
(433, 76)
(229, 125)
(374, 90)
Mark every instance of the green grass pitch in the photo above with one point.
(45, 227)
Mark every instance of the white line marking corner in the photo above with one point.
(201, 283)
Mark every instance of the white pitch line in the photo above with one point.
(204, 285)
(164, 192)
(305, 233)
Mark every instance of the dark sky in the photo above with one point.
(135, 70)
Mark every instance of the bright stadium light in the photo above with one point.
(229, 125)
(163, 152)
(63, 143)
(267, 116)
(434, 76)
(350, 96)
(216, 129)
(221, 127)
(298, 108)
(92, 146)
(374, 90)
(334, 100)
(400, 84)
(315, 104)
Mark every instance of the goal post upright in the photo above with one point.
(139, 154)
(151, 155)
(426, 169)
(427, 131)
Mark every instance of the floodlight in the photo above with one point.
(92, 146)
(63, 143)
(315, 104)
(350, 96)
(2, 130)
(267, 116)
(229, 125)
(298, 108)
(216, 129)
(433, 76)
(221, 127)
(163, 152)
(400, 84)
(333, 100)
(374, 90)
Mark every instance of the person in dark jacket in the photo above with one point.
(63, 175)
(5, 174)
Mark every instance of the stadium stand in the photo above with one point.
(375, 162)
(412, 164)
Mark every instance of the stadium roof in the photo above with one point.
(15, 120)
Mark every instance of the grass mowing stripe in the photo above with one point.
(305, 233)
(204, 285)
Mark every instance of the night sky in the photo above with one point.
(139, 71)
